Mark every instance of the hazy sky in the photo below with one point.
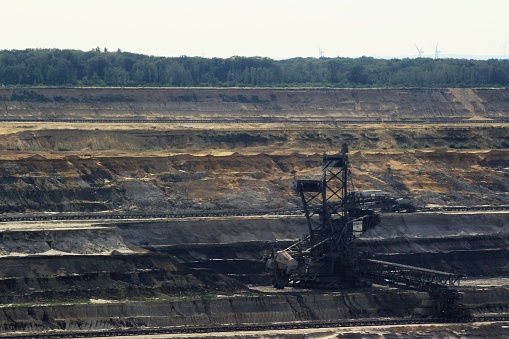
(270, 28)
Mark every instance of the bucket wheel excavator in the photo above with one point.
(327, 256)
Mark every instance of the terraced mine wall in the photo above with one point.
(164, 103)
(114, 274)
(48, 263)
(475, 244)
(162, 183)
(233, 246)
(239, 310)
(195, 312)
(133, 287)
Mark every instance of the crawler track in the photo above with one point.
(254, 327)
(211, 214)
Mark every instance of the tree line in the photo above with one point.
(54, 67)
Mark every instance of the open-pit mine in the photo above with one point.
(254, 212)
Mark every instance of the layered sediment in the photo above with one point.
(143, 288)
(253, 181)
(169, 103)
(87, 275)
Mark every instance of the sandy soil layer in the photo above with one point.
(459, 331)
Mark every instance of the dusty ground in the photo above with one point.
(474, 330)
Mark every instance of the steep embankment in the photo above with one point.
(161, 183)
(52, 263)
(203, 138)
(163, 103)
(455, 242)
(254, 309)
(53, 275)
(474, 244)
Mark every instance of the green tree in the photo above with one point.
(98, 67)
(358, 75)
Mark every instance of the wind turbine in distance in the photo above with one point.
(320, 52)
(436, 51)
(420, 50)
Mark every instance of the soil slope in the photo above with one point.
(161, 183)
(138, 273)
(184, 103)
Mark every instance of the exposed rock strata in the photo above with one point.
(183, 103)
(99, 276)
(255, 181)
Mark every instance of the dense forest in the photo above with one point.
(54, 67)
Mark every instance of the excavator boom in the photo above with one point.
(328, 258)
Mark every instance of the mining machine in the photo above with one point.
(378, 201)
(327, 256)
